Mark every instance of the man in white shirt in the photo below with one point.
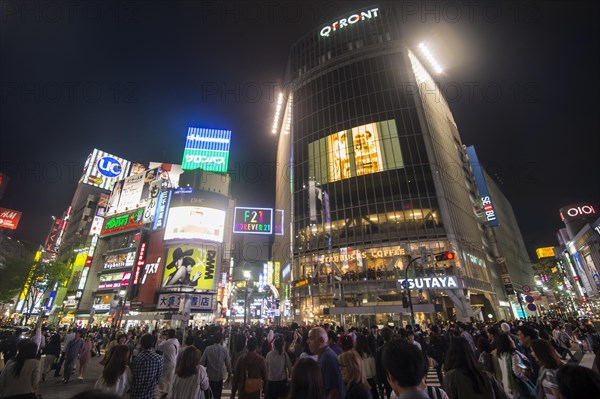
(410, 336)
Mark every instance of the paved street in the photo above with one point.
(55, 389)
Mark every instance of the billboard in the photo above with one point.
(191, 267)
(253, 220)
(197, 301)
(195, 222)
(484, 194)
(54, 238)
(122, 222)
(357, 151)
(103, 170)
(135, 190)
(206, 149)
(546, 252)
(168, 174)
(9, 219)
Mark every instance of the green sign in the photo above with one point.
(124, 221)
(211, 161)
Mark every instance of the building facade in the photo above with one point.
(378, 177)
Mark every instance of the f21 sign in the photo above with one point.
(253, 220)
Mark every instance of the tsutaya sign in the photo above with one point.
(430, 282)
(351, 20)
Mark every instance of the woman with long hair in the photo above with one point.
(279, 366)
(307, 381)
(512, 368)
(364, 351)
(353, 374)
(191, 379)
(116, 376)
(549, 361)
(464, 377)
(21, 375)
(85, 355)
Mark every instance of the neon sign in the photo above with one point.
(253, 220)
(351, 20)
(430, 282)
(206, 149)
(123, 222)
(577, 212)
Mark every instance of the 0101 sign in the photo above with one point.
(253, 220)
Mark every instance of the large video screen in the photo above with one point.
(191, 266)
(195, 222)
(358, 151)
(206, 149)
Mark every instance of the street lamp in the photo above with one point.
(247, 276)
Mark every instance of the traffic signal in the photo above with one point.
(447, 255)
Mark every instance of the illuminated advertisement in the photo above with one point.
(546, 252)
(168, 174)
(484, 194)
(152, 202)
(197, 301)
(116, 261)
(358, 151)
(253, 220)
(103, 170)
(114, 280)
(136, 190)
(577, 211)
(9, 219)
(191, 267)
(195, 222)
(54, 238)
(162, 207)
(206, 149)
(122, 222)
(350, 20)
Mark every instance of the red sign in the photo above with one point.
(9, 218)
(140, 263)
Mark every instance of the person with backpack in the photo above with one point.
(250, 373)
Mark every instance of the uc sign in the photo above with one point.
(577, 211)
(109, 166)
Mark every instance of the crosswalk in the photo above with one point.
(432, 378)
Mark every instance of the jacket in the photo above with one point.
(251, 365)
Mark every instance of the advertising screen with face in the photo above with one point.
(191, 267)
(357, 151)
(195, 222)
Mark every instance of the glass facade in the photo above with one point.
(366, 191)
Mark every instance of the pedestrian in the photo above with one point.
(306, 381)
(549, 362)
(191, 380)
(9, 347)
(146, 370)
(21, 374)
(526, 334)
(406, 368)
(52, 353)
(353, 374)
(576, 382)
(364, 351)
(464, 378)
(169, 348)
(85, 355)
(485, 355)
(72, 350)
(410, 337)
(121, 339)
(116, 376)
(328, 362)
(279, 367)
(215, 358)
(67, 339)
(512, 369)
(381, 376)
(250, 374)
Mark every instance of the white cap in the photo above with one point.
(505, 327)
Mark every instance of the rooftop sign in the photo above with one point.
(350, 20)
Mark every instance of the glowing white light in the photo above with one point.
(277, 113)
(434, 64)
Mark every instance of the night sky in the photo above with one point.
(129, 77)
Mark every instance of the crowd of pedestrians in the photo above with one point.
(533, 359)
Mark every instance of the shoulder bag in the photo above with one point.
(252, 385)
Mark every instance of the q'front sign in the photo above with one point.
(350, 20)
(430, 282)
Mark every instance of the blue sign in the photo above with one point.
(109, 166)
(484, 194)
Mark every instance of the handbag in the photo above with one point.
(252, 385)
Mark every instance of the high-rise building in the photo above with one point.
(373, 174)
